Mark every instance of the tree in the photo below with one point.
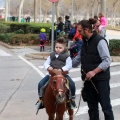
(103, 6)
(20, 9)
(6, 10)
(114, 6)
(35, 10)
(56, 10)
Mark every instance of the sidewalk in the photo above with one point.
(35, 52)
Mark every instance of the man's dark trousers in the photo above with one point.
(103, 97)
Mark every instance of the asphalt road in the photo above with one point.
(19, 77)
(18, 87)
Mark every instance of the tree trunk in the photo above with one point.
(20, 9)
(103, 7)
(93, 8)
(35, 11)
(98, 8)
(56, 10)
(6, 10)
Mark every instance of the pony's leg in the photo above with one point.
(59, 116)
(70, 112)
(51, 117)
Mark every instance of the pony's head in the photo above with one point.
(58, 84)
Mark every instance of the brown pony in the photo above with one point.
(55, 100)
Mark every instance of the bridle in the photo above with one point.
(55, 90)
(54, 78)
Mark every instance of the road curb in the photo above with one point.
(42, 55)
(115, 58)
(11, 47)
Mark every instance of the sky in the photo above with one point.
(2, 3)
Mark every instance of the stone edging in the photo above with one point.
(42, 55)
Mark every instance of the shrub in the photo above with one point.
(28, 39)
(4, 28)
(114, 47)
(5, 37)
(19, 31)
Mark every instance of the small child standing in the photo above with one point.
(103, 24)
(43, 39)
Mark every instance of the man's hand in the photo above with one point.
(90, 74)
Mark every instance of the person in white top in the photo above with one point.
(59, 59)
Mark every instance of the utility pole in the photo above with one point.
(6, 10)
(35, 10)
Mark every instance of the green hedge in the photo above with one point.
(4, 28)
(114, 47)
(28, 27)
(28, 39)
(5, 37)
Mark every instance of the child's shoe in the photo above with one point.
(39, 104)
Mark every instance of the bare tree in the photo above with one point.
(56, 10)
(103, 6)
(6, 9)
(20, 9)
(114, 6)
(35, 10)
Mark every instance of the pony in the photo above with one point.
(55, 96)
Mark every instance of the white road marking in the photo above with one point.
(115, 63)
(78, 68)
(35, 68)
(112, 85)
(84, 110)
(3, 53)
(115, 73)
(76, 79)
(41, 67)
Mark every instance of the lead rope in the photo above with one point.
(91, 82)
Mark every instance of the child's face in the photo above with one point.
(59, 48)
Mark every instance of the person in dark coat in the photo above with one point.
(95, 62)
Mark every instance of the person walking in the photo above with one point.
(95, 71)
(67, 24)
(60, 25)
